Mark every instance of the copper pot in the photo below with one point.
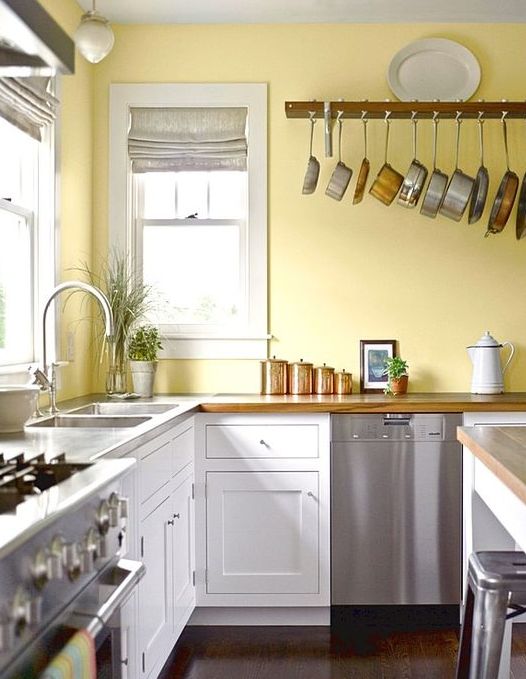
(323, 380)
(388, 181)
(274, 376)
(300, 378)
(343, 383)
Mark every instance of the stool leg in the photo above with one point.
(489, 619)
(464, 649)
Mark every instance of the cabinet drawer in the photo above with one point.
(155, 471)
(262, 440)
(183, 450)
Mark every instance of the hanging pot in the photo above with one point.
(364, 167)
(313, 165)
(415, 177)
(388, 181)
(438, 182)
(460, 187)
(503, 203)
(480, 190)
(342, 174)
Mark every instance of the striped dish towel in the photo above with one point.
(75, 661)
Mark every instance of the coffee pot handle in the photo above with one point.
(512, 351)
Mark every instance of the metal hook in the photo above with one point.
(363, 117)
(387, 116)
(339, 116)
(458, 117)
(312, 116)
(413, 116)
(504, 114)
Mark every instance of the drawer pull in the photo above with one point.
(264, 443)
(177, 516)
(311, 494)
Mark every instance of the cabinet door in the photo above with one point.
(128, 614)
(183, 554)
(155, 588)
(262, 532)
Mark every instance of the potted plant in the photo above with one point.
(396, 371)
(143, 347)
(129, 300)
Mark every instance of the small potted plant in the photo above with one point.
(396, 371)
(143, 347)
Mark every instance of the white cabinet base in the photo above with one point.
(261, 615)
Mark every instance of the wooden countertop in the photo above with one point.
(364, 403)
(502, 450)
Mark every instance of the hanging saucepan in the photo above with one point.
(460, 187)
(313, 165)
(438, 182)
(415, 177)
(364, 167)
(480, 190)
(520, 224)
(388, 180)
(503, 203)
(341, 175)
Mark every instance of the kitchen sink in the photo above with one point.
(124, 408)
(91, 421)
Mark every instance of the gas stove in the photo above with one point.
(62, 526)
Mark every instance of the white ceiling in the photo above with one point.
(309, 11)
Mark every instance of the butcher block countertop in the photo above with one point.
(364, 403)
(502, 450)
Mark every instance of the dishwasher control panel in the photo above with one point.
(395, 427)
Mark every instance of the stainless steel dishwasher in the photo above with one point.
(395, 509)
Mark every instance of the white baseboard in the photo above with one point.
(314, 615)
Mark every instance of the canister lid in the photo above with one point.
(324, 367)
(301, 362)
(273, 360)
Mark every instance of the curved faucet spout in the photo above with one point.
(86, 287)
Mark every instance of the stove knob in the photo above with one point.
(7, 635)
(20, 610)
(40, 570)
(102, 518)
(86, 561)
(102, 546)
(34, 611)
(72, 560)
(55, 558)
(120, 504)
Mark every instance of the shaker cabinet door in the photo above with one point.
(262, 532)
(183, 563)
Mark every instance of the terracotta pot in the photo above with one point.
(399, 386)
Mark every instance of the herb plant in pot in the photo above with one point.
(143, 347)
(396, 371)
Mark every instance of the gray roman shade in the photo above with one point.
(190, 139)
(26, 103)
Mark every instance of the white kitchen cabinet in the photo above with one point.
(183, 560)
(262, 510)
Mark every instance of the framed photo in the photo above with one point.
(372, 364)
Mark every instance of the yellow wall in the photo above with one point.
(75, 167)
(338, 273)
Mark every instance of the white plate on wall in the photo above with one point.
(434, 68)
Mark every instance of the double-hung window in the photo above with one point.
(26, 223)
(188, 202)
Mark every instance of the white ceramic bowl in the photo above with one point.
(17, 404)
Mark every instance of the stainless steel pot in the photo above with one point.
(274, 376)
(503, 203)
(415, 177)
(520, 223)
(460, 187)
(364, 167)
(388, 181)
(480, 189)
(438, 182)
(341, 175)
(313, 165)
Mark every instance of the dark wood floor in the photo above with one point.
(318, 653)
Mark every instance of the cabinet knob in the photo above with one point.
(263, 443)
(311, 494)
(171, 522)
(177, 516)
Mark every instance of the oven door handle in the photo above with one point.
(94, 621)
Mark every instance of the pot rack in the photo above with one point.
(405, 109)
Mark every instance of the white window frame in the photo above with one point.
(252, 341)
(44, 226)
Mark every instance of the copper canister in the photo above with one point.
(323, 380)
(343, 383)
(300, 378)
(274, 376)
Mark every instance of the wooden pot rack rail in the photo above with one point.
(404, 109)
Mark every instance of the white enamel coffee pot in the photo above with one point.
(487, 370)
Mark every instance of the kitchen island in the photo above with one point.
(494, 497)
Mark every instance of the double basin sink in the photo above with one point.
(106, 415)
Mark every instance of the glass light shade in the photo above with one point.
(94, 37)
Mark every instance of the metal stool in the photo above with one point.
(496, 582)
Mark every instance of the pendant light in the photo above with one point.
(94, 36)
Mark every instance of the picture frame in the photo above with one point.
(373, 353)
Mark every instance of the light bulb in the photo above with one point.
(94, 37)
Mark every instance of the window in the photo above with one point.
(197, 236)
(26, 243)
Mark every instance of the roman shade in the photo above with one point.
(189, 139)
(27, 104)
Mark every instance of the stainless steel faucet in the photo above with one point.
(46, 376)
